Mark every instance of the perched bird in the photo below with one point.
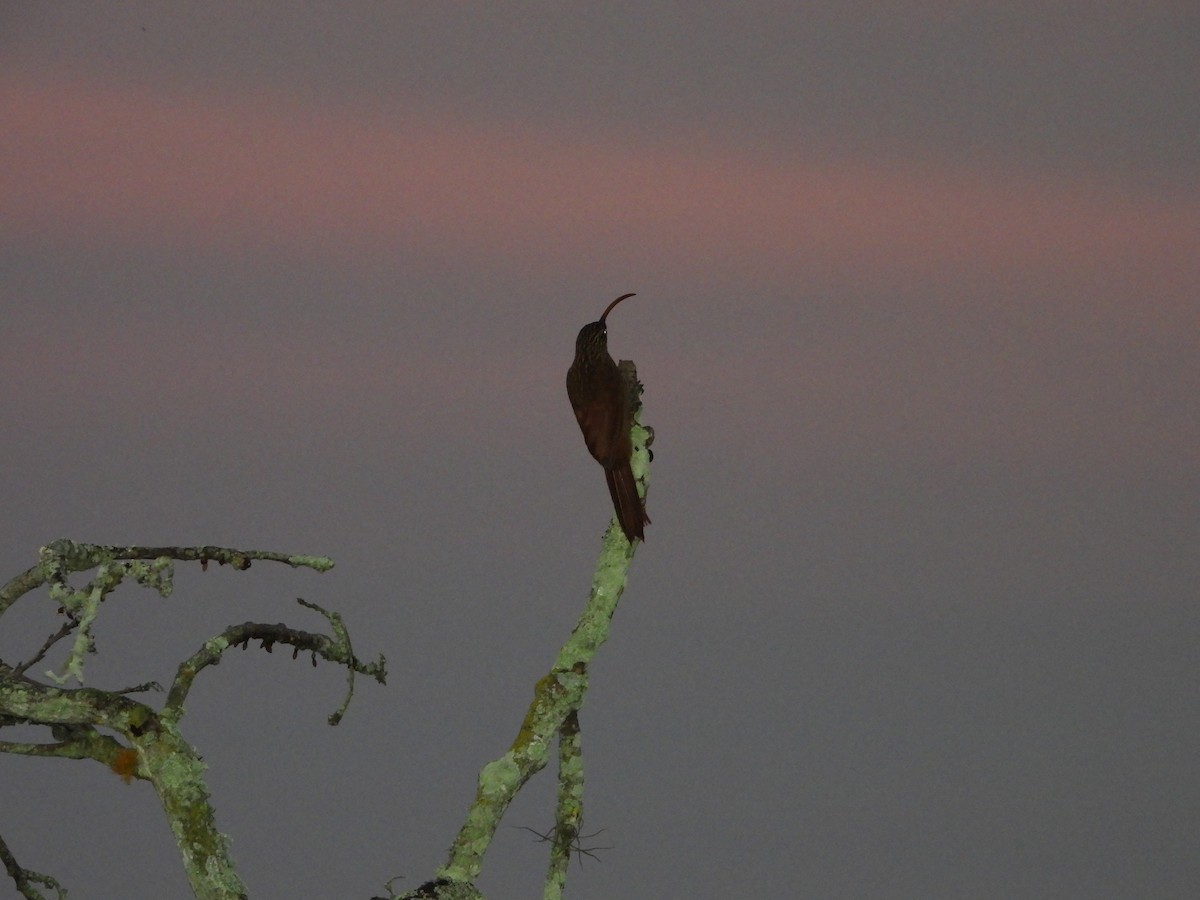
(603, 400)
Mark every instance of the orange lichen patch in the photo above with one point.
(125, 764)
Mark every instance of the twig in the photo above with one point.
(67, 627)
(24, 879)
(335, 650)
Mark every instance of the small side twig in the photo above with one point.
(67, 627)
(24, 879)
(141, 688)
(576, 844)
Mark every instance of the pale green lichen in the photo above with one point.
(556, 696)
(316, 563)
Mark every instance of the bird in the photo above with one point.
(603, 400)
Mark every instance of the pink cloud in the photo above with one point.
(91, 163)
(260, 175)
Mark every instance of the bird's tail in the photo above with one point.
(631, 513)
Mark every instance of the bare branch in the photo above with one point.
(58, 559)
(568, 813)
(156, 751)
(336, 650)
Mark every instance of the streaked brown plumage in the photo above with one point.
(603, 404)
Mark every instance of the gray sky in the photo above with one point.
(917, 320)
